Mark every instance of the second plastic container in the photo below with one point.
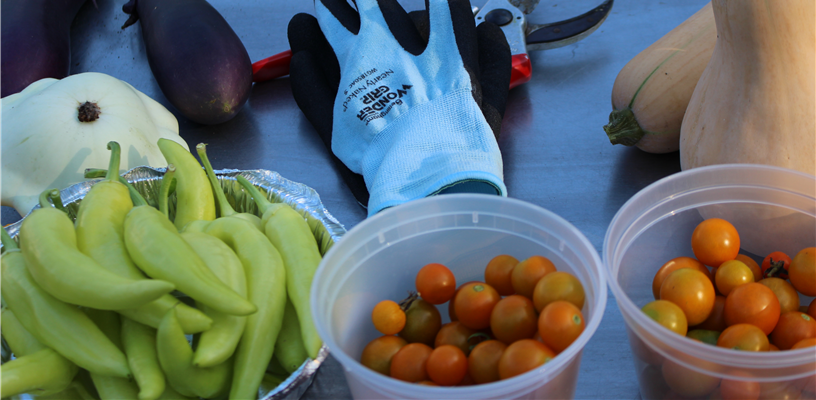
(379, 258)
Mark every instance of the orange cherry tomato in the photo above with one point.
(498, 272)
(792, 327)
(692, 291)
(745, 337)
(474, 304)
(668, 314)
(687, 382)
(776, 264)
(522, 356)
(378, 353)
(447, 365)
(809, 342)
(755, 269)
(388, 317)
(526, 274)
(731, 274)
(422, 323)
(456, 334)
(752, 303)
(802, 271)
(785, 293)
(559, 324)
(734, 389)
(483, 361)
(435, 283)
(513, 318)
(715, 241)
(409, 363)
(715, 320)
(452, 302)
(673, 265)
(811, 310)
(559, 285)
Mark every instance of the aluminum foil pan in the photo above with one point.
(326, 229)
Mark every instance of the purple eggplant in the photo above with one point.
(35, 41)
(197, 59)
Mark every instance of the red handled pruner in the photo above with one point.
(509, 15)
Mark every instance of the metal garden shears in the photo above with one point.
(510, 16)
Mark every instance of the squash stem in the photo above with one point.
(262, 202)
(224, 207)
(113, 166)
(164, 189)
(623, 127)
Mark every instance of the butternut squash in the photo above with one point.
(756, 100)
(651, 92)
(756, 103)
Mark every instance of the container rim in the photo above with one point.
(367, 228)
(611, 254)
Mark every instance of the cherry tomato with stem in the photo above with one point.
(715, 241)
(474, 304)
(775, 265)
(526, 274)
(435, 283)
(498, 273)
(483, 361)
(422, 322)
(447, 365)
(410, 362)
(378, 353)
(513, 318)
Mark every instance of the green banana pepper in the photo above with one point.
(43, 372)
(158, 249)
(218, 343)
(20, 341)
(139, 343)
(111, 387)
(224, 207)
(49, 246)
(176, 359)
(289, 350)
(266, 287)
(193, 199)
(100, 235)
(55, 324)
(293, 238)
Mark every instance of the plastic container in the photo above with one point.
(379, 258)
(773, 209)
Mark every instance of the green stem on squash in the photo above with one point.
(623, 127)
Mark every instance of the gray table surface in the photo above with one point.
(555, 152)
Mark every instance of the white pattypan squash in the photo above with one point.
(55, 129)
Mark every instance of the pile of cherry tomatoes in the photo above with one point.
(522, 315)
(737, 303)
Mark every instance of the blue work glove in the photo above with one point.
(412, 105)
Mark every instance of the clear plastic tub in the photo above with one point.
(379, 258)
(772, 209)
